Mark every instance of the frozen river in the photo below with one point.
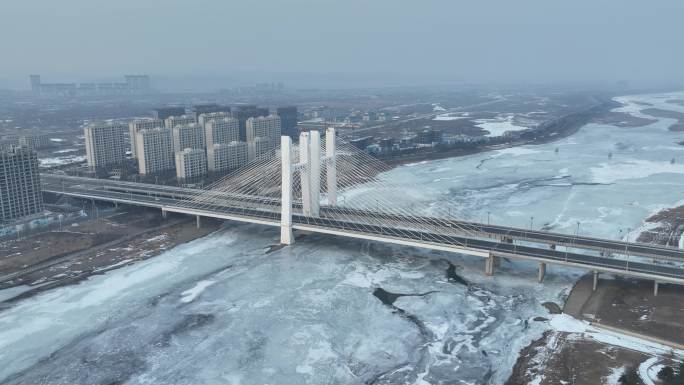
(223, 310)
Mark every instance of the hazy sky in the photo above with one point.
(392, 41)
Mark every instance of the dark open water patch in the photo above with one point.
(453, 277)
(408, 376)
(388, 298)
(188, 323)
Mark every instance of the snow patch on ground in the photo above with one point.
(66, 150)
(632, 169)
(499, 126)
(645, 371)
(516, 151)
(614, 377)
(450, 116)
(190, 294)
(569, 324)
(62, 160)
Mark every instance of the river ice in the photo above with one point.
(224, 310)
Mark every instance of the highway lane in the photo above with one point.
(472, 228)
(468, 228)
(512, 249)
(558, 239)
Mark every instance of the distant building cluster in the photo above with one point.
(132, 85)
(421, 140)
(33, 141)
(207, 139)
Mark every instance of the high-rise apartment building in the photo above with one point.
(258, 147)
(203, 119)
(154, 147)
(20, 193)
(223, 157)
(141, 124)
(209, 108)
(139, 84)
(191, 164)
(34, 141)
(264, 127)
(188, 136)
(173, 121)
(164, 112)
(224, 130)
(105, 145)
(242, 113)
(288, 121)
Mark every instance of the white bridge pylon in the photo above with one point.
(309, 168)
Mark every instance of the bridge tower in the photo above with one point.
(331, 166)
(315, 172)
(309, 168)
(286, 237)
(304, 167)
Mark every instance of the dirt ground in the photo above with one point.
(629, 304)
(670, 227)
(16, 254)
(566, 358)
(56, 258)
(626, 304)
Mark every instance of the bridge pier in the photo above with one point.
(199, 221)
(286, 237)
(164, 214)
(490, 263)
(596, 277)
(655, 288)
(542, 272)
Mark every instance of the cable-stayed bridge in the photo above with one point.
(333, 188)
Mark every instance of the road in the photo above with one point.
(634, 259)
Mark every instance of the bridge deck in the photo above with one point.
(632, 259)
